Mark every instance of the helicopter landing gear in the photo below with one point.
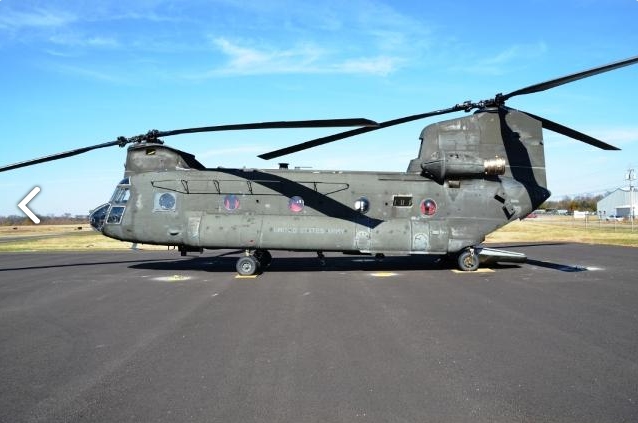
(252, 263)
(468, 260)
(321, 257)
(247, 266)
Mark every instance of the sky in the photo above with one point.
(76, 73)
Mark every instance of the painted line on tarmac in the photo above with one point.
(174, 278)
(480, 270)
(384, 274)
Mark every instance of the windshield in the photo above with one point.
(121, 195)
(98, 216)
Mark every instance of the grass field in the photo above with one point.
(559, 229)
(567, 229)
(59, 238)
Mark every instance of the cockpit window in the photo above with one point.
(115, 216)
(121, 195)
(98, 216)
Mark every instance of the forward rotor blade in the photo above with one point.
(317, 123)
(153, 135)
(335, 137)
(553, 83)
(59, 155)
(572, 133)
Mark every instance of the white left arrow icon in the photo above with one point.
(23, 205)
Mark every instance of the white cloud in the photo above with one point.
(37, 18)
(244, 59)
(88, 73)
(78, 40)
(381, 65)
(505, 61)
(618, 136)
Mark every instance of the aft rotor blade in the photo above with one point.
(553, 83)
(572, 133)
(335, 137)
(317, 123)
(59, 155)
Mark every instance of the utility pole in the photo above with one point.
(631, 176)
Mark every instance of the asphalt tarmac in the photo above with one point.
(140, 336)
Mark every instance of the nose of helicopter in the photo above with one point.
(98, 216)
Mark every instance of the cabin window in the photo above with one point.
(428, 207)
(402, 201)
(165, 201)
(295, 204)
(362, 205)
(231, 202)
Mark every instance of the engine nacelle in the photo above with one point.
(445, 165)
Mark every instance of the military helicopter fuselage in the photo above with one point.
(466, 182)
(472, 175)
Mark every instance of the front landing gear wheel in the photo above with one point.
(468, 260)
(247, 266)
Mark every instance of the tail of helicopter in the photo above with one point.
(491, 168)
(498, 144)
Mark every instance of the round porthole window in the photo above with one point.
(428, 207)
(167, 201)
(362, 205)
(231, 202)
(295, 204)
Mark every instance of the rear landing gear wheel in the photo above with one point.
(247, 266)
(468, 260)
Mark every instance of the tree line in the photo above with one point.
(579, 202)
(65, 219)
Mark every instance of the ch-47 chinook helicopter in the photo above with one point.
(473, 175)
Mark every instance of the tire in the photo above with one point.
(247, 266)
(468, 260)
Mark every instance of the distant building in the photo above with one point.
(618, 203)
